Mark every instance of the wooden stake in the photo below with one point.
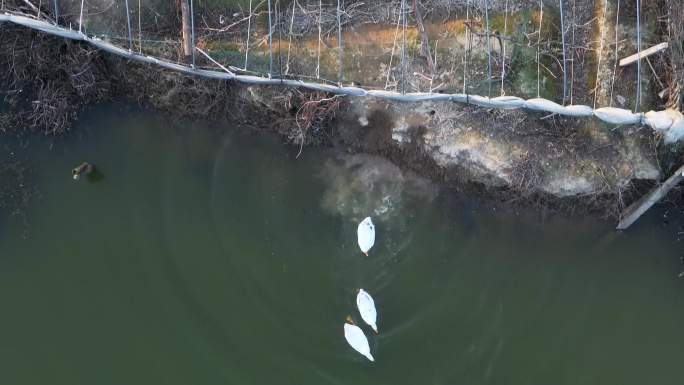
(640, 55)
(600, 53)
(638, 208)
(187, 38)
(80, 19)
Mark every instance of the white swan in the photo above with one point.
(366, 235)
(356, 339)
(366, 306)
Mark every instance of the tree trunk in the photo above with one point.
(424, 41)
(187, 33)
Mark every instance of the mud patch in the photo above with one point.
(365, 185)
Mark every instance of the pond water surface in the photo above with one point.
(208, 257)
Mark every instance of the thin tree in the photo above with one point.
(638, 30)
(424, 40)
(270, 41)
(539, 33)
(289, 42)
(617, 23)
(503, 48)
(318, 55)
(489, 50)
(249, 31)
(565, 78)
(600, 53)
(394, 44)
(403, 47)
(340, 42)
(128, 24)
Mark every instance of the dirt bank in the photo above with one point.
(511, 154)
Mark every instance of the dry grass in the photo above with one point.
(314, 111)
(47, 79)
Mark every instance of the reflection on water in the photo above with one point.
(207, 257)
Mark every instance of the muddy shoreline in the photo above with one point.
(405, 134)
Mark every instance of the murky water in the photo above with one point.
(208, 257)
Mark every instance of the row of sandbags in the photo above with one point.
(669, 123)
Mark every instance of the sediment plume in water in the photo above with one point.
(364, 185)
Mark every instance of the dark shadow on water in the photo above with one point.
(95, 176)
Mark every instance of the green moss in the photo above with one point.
(523, 72)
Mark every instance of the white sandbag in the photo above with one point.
(660, 121)
(478, 100)
(578, 110)
(429, 97)
(42, 26)
(109, 47)
(409, 97)
(539, 104)
(505, 102)
(459, 98)
(509, 102)
(676, 131)
(614, 115)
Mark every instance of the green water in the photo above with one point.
(209, 257)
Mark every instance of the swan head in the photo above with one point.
(350, 320)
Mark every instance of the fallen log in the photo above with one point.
(638, 208)
(640, 55)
